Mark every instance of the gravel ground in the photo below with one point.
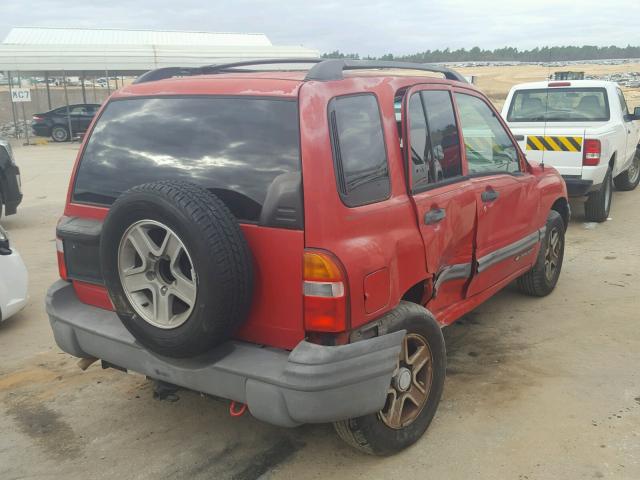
(536, 388)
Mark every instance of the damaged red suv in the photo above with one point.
(294, 239)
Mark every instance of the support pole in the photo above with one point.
(46, 81)
(13, 105)
(66, 101)
(108, 83)
(84, 93)
(24, 115)
(95, 98)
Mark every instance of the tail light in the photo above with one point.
(62, 266)
(325, 303)
(591, 153)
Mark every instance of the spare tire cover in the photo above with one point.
(177, 267)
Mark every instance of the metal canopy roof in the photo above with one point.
(110, 36)
(30, 50)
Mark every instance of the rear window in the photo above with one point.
(245, 150)
(559, 105)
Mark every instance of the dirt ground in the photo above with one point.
(496, 81)
(536, 388)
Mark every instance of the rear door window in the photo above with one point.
(559, 105)
(434, 140)
(243, 149)
(359, 150)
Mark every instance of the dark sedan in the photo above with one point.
(55, 124)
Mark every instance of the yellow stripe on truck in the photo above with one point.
(554, 143)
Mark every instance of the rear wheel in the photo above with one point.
(629, 179)
(177, 267)
(542, 278)
(59, 134)
(598, 205)
(414, 393)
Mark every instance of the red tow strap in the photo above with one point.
(236, 411)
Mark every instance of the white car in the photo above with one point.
(13, 279)
(584, 129)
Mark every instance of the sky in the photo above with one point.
(365, 27)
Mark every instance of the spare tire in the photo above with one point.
(177, 267)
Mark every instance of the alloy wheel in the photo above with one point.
(410, 385)
(552, 254)
(634, 170)
(157, 274)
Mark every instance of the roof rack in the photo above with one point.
(333, 69)
(323, 69)
(169, 72)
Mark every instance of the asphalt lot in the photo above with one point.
(536, 388)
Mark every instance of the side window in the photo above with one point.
(359, 150)
(623, 103)
(487, 144)
(420, 154)
(433, 134)
(445, 143)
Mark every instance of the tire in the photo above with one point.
(539, 281)
(194, 286)
(629, 179)
(60, 134)
(372, 434)
(598, 205)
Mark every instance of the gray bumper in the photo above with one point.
(311, 384)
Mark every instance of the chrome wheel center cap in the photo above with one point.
(403, 379)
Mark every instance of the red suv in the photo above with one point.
(294, 240)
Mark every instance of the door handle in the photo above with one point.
(489, 195)
(434, 216)
(519, 137)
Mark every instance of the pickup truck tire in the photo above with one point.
(420, 375)
(59, 134)
(542, 278)
(177, 267)
(629, 179)
(598, 204)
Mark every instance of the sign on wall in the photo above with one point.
(20, 95)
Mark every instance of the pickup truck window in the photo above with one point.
(559, 105)
(623, 103)
(488, 146)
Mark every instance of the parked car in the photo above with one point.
(10, 186)
(279, 239)
(585, 130)
(13, 279)
(55, 123)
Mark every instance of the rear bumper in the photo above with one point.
(311, 384)
(578, 187)
(41, 130)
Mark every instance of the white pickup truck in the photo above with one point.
(584, 129)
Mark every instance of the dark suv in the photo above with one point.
(281, 239)
(10, 186)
